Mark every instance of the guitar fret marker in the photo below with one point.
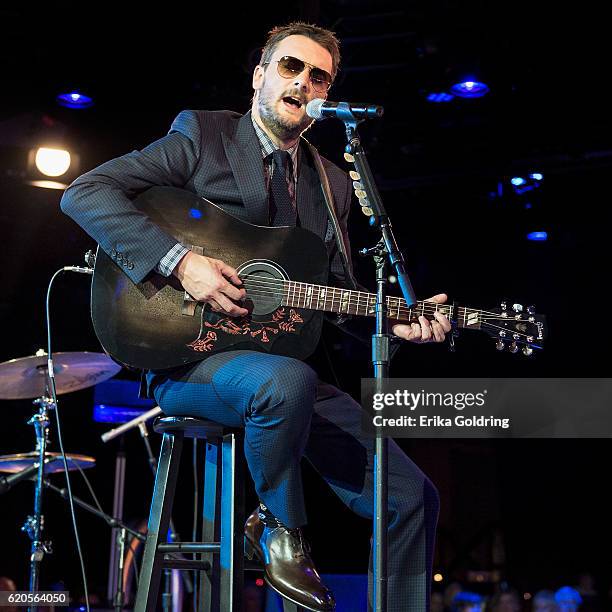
(345, 300)
(473, 318)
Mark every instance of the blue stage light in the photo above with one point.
(536, 176)
(194, 213)
(439, 97)
(537, 236)
(74, 99)
(106, 413)
(517, 181)
(470, 89)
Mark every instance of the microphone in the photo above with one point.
(321, 109)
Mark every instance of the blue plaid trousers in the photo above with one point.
(287, 414)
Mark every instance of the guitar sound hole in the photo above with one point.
(264, 284)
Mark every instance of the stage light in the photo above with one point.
(194, 213)
(259, 582)
(536, 176)
(52, 162)
(440, 97)
(74, 99)
(537, 236)
(438, 578)
(470, 89)
(517, 181)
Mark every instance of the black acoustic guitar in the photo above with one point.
(155, 324)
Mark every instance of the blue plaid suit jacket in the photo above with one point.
(215, 154)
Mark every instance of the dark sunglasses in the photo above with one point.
(289, 67)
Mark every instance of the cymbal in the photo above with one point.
(20, 461)
(26, 377)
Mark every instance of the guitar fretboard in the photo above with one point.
(337, 300)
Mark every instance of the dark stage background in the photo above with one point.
(537, 511)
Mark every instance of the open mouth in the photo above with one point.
(292, 102)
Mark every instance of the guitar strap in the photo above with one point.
(331, 212)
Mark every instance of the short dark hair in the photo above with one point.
(326, 38)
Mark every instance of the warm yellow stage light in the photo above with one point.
(52, 162)
(438, 578)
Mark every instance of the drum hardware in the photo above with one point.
(28, 378)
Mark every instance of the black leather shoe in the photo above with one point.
(289, 570)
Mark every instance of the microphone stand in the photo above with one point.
(386, 251)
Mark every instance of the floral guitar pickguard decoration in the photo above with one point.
(260, 330)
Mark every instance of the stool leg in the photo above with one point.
(209, 595)
(159, 520)
(232, 525)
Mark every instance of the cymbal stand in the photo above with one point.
(34, 525)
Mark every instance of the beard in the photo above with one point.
(283, 127)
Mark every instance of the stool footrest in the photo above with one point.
(253, 566)
(189, 547)
(186, 564)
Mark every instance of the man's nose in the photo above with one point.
(302, 80)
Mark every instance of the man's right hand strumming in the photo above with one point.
(211, 281)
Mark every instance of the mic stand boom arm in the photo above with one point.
(386, 251)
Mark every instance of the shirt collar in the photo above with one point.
(268, 147)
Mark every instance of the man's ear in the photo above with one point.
(258, 77)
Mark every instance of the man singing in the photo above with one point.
(258, 168)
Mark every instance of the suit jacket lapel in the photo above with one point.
(310, 203)
(243, 152)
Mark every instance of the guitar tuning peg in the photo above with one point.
(354, 175)
(513, 348)
(499, 345)
(504, 305)
(527, 351)
(517, 308)
(531, 309)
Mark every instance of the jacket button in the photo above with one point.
(130, 266)
(113, 253)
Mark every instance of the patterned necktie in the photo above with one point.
(282, 211)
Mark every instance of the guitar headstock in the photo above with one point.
(514, 327)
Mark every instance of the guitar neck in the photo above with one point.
(348, 301)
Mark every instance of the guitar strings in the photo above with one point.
(429, 308)
(483, 321)
(287, 285)
(403, 313)
(300, 292)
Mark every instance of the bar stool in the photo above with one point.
(221, 562)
